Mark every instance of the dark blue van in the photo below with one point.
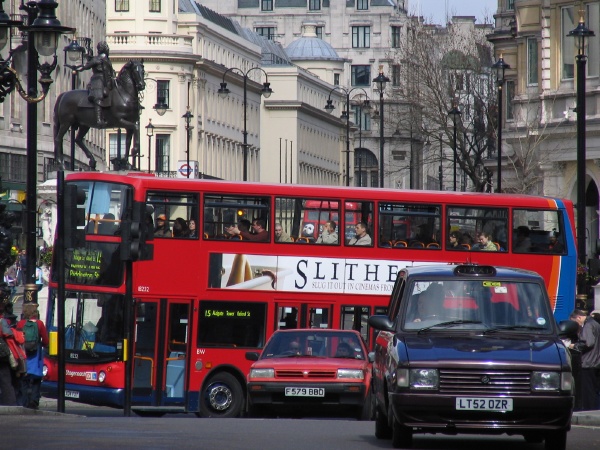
(471, 349)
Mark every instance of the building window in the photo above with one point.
(336, 79)
(163, 153)
(314, 5)
(154, 5)
(396, 75)
(532, 62)
(510, 5)
(319, 31)
(361, 75)
(361, 37)
(362, 118)
(266, 32)
(121, 5)
(362, 5)
(593, 42)
(396, 37)
(568, 43)
(113, 145)
(266, 5)
(510, 96)
(162, 92)
(366, 168)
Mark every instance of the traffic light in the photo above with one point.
(135, 234)
(73, 214)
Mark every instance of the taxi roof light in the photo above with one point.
(475, 270)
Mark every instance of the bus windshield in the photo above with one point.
(94, 323)
(92, 231)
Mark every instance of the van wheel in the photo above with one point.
(401, 435)
(556, 440)
(382, 428)
(222, 397)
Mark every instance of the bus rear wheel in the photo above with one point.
(222, 397)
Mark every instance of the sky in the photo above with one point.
(434, 11)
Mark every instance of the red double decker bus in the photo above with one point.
(200, 300)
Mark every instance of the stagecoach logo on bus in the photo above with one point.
(307, 274)
(89, 376)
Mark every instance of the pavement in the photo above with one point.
(582, 418)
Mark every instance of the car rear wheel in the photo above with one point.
(382, 428)
(556, 440)
(222, 397)
(401, 435)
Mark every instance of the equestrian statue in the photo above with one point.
(108, 102)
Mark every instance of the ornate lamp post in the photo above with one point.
(150, 133)
(455, 113)
(380, 82)
(74, 57)
(499, 67)
(42, 40)
(346, 117)
(266, 92)
(360, 151)
(580, 34)
(188, 116)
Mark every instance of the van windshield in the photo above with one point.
(478, 304)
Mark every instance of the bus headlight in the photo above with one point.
(102, 376)
(262, 373)
(545, 381)
(424, 378)
(45, 371)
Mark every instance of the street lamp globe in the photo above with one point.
(329, 106)
(223, 91)
(74, 52)
(266, 90)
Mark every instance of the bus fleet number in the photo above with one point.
(143, 289)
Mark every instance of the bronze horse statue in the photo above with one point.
(121, 110)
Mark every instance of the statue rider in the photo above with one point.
(102, 80)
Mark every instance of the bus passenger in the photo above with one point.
(361, 237)
(424, 234)
(485, 243)
(280, 235)
(162, 229)
(180, 228)
(258, 227)
(554, 245)
(454, 240)
(522, 243)
(192, 228)
(329, 235)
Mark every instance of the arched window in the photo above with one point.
(366, 169)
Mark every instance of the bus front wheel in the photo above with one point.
(222, 397)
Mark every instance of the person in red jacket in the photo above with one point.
(28, 394)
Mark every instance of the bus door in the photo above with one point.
(161, 353)
(355, 317)
(303, 315)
